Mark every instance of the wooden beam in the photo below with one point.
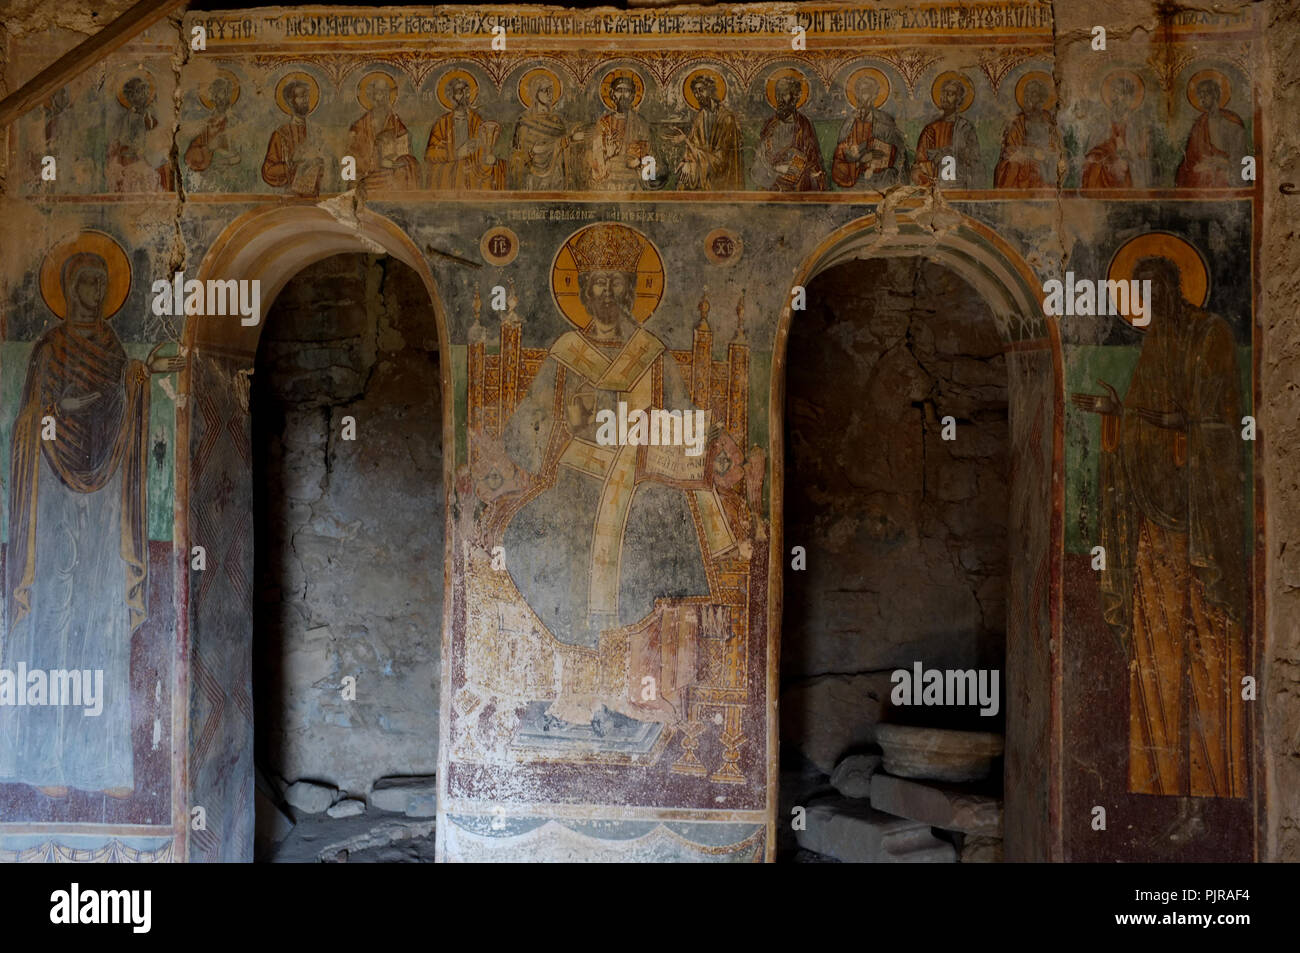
(45, 83)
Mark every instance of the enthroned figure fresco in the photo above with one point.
(1217, 140)
(870, 152)
(78, 558)
(1033, 156)
(379, 140)
(1122, 160)
(214, 148)
(950, 136)
(460, 153)
(712, 147)
(1172, 510)
(609, 543)
(788, 157)
(296, 157)
(539, 157)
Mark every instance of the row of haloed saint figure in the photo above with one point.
(623, 151)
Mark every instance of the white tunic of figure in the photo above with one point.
(77, 559)
(78, 620)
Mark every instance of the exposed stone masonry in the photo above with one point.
(349, 579)
(911, 530)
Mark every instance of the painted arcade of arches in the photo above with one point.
(274, 244)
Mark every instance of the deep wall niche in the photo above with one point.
(884, 269)
(910, 527)
(273, 246)
(349, 532)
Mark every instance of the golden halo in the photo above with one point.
(718, 81)
(1042, 77)
(564, 278)
(363, 85)
(937, 88)
(1225, 87)
(204, 92)
(792, 73)
(526, 81)
(1107, 86)
(607, 87)
(1193, 273)
(445, 80)
(313, 88)
(850, 86)
(107, 248)
(145, 75)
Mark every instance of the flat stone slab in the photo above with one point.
(850, 830)
(414, 796)
(320, 838)
(852, 776)
(938, 754)
(937, 805)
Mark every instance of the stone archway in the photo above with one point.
(214, 501)
(921, 227)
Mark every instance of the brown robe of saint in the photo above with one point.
(1199, 170)
(198, 155)
(793, 144)
(1018, 170)
(278, 168)
(127, 168)
(955, 137)
(367, 145)
(1105, 166)
(1174, 589)
(860, 130)
(712, 160)
(480, 171)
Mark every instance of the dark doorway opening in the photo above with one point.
(905, 532)
(346, 410)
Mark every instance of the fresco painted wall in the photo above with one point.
(644, 188)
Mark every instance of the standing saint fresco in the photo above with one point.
(379, 140)
(1172, 510)
(1217, 140)
(870, 152)
(295, 154)
(461, 154)
(712, 158)
(78, 553)
(949, 137)
(1122, 159)
(621, 138)
(137, 149)
(1033, 155)
(788, 157)
(539, 153)
(213, 148)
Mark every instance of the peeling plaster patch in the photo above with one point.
(344, 208)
